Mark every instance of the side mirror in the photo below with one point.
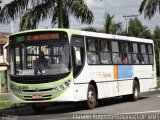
(5, 53)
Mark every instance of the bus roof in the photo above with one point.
(91, 34)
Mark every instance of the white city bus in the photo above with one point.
(80, 66)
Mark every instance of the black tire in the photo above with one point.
(136, 90)
(39, 109)
(91, 97)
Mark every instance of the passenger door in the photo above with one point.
(78, 54)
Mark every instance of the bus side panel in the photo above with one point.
(125, 87)
(145, 75)
(81, 83)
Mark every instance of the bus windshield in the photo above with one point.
(41, 59)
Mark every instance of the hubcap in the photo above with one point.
(136, 92)
(91, 97)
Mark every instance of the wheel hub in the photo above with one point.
(91, 96)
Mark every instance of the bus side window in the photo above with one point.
(150, 52)
(93, 58)
(78, 54)
(144, 53)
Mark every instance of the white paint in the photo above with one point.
(154, 111)
(61, 118)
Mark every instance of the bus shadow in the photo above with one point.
(64, 107)
(115, 100)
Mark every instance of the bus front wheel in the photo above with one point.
(91, 97)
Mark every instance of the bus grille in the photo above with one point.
(41, 90)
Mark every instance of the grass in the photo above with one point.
(158, 85)
(5, 104)
(158, 82)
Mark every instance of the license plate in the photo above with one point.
(37, 96)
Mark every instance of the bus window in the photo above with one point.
(135, 59)
(141, 59)
(135, 48)
(105, 45)
(143, 48)
(92, 44)
(151, 59)
(150, 49)
(78, 54)
(144, 51)
(124, 58)
(130, 47)
(124, 47)
(93, 58)
(116, 58)
(129, 58)
(18, 59)
(146, 61)
(105, 58)
(115, 46)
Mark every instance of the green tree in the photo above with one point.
(32, 12)
(156, 36)
(137, 29)
(149, 8)
(110, 26)
(157, 33)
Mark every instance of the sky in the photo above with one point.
(118, 8)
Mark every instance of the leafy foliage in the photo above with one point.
(32, 12)
(149, 8)
(110, 26)
(157, 33)
(137, 29)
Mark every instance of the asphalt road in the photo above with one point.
(147, 107)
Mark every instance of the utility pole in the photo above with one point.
(126, 20)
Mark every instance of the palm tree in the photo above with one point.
(110, 26)
(90, 28)
(31, 12)
(149, 7)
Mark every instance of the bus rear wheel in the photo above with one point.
(91, 97)
(136, 90)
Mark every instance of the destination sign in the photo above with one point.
(38, 36)
(42, 37)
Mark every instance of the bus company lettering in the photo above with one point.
(42, 37)
(106, 75)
